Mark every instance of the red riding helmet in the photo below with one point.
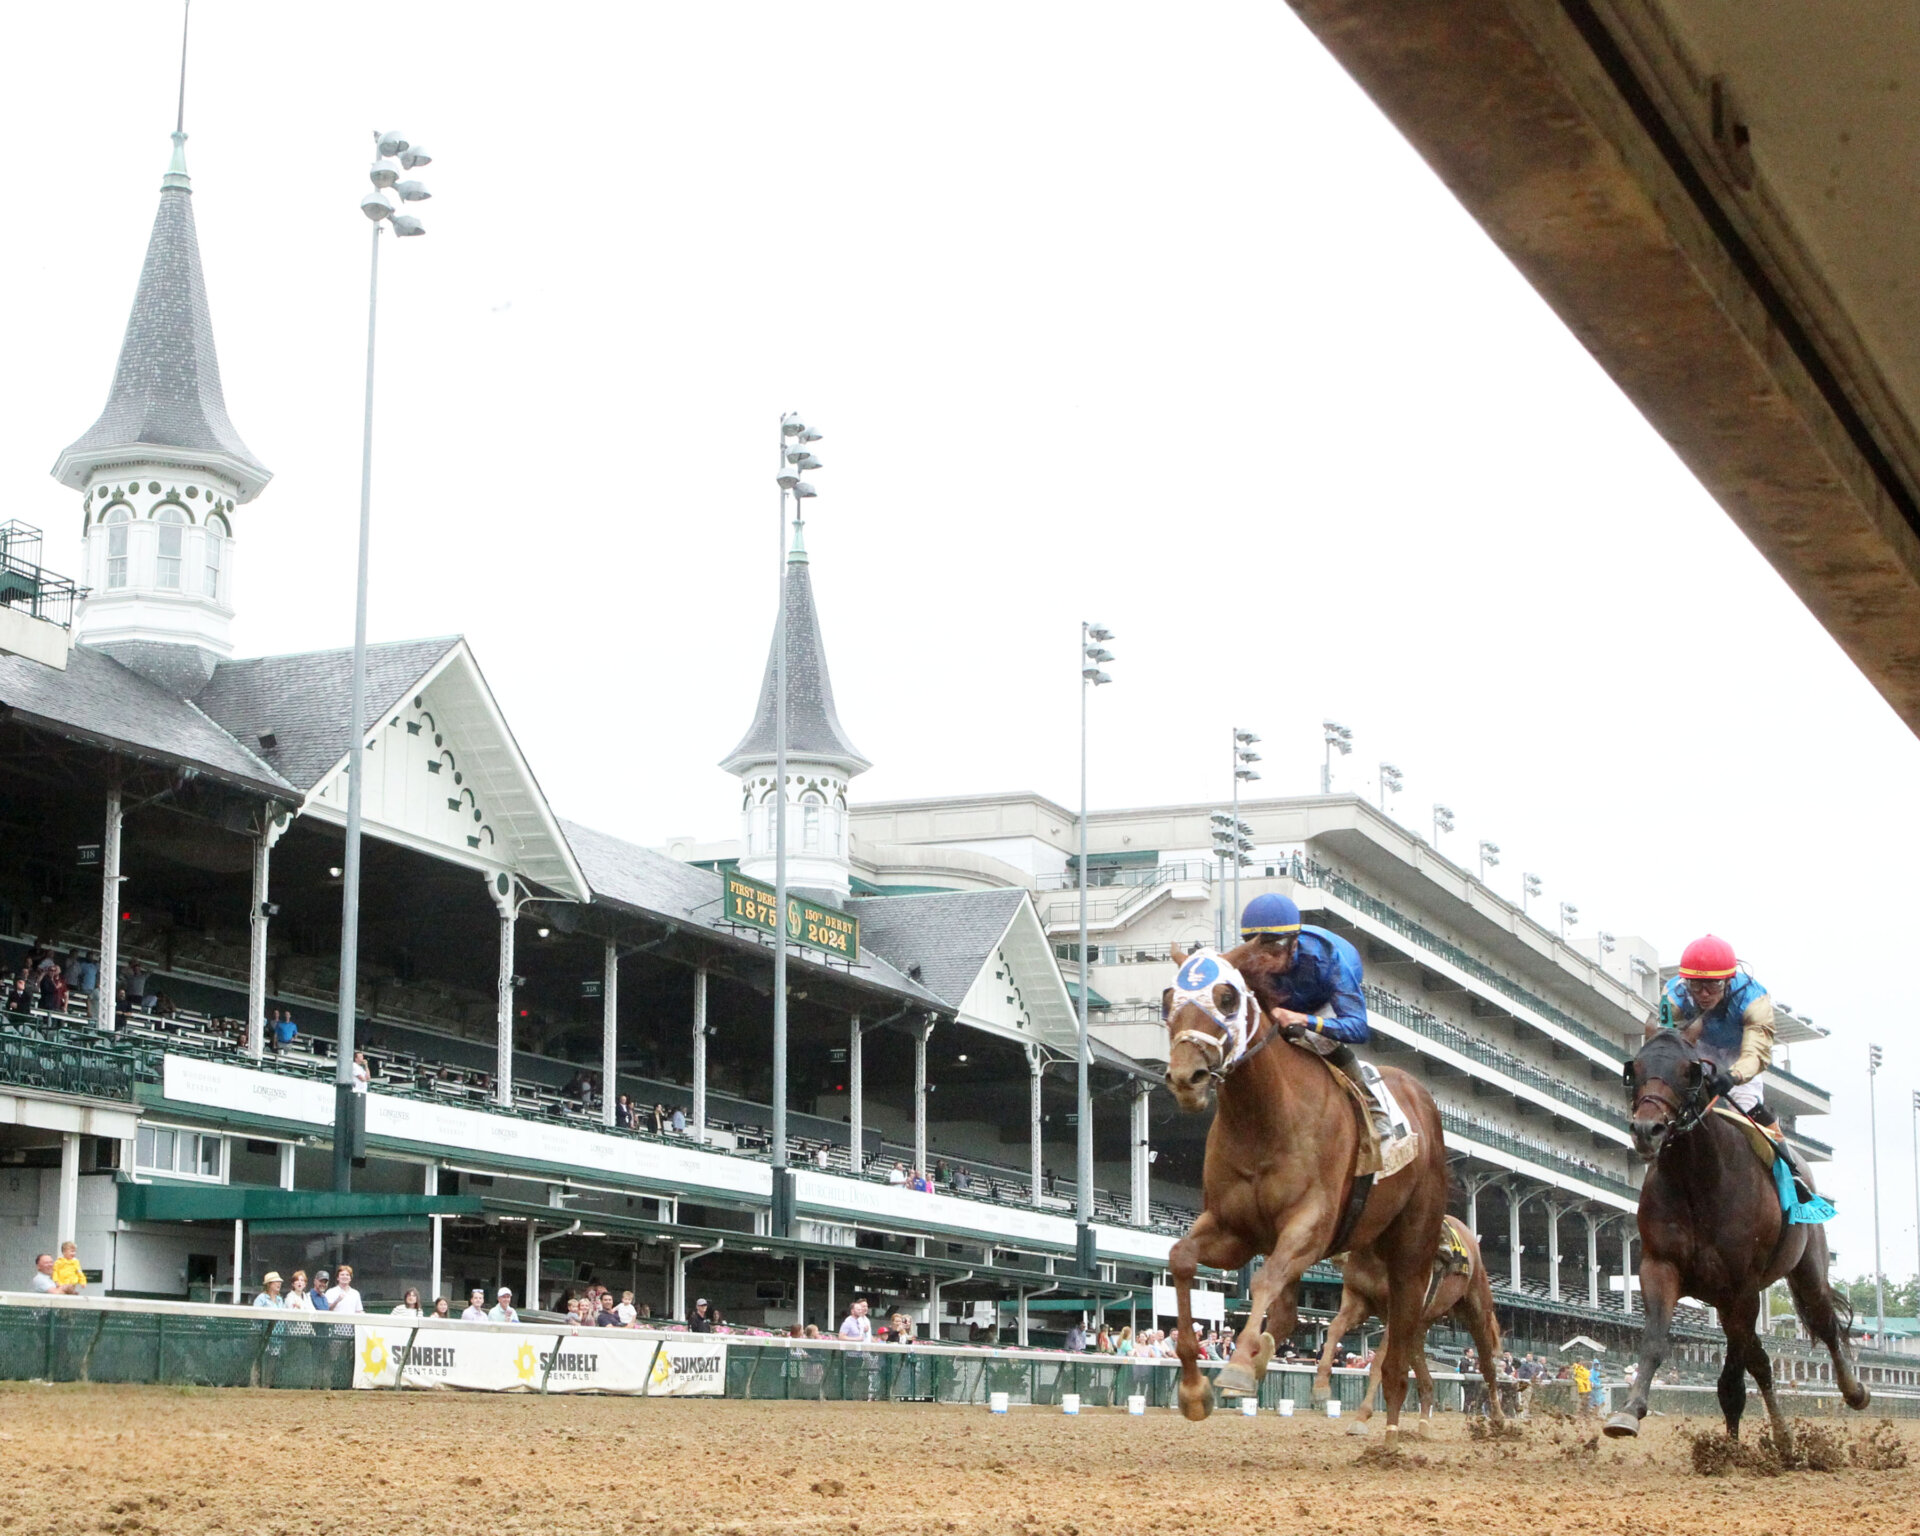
(1707, 959)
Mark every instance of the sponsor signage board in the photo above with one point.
(828, 929)
(189, 1080)
(595, 1360)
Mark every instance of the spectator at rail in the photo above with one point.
(904, 1331)
(1047, 1179)
(626, 1311)
(43, 1280)
(409, 1304)
(942, 1174)
(857, 1325)
(442, 1309)
(813, 1330)
(284, 1029)
(140, 988)
(1123, 1345)
(503, 1307)
(820, 1155)
(623, 1114)
(897, 1174)
(608, 1315)
(20, 992)
(321, 1280)
(677, 1123)
(476, 1306)
(270, 1296)
(1103, 1341)
(342, 1297)
(82, 973)
(702, 1319)
(67, 1273)
(659, 1116)
(362, 1074)
(580, 1087)
(299, 1298)
(1077, 1339)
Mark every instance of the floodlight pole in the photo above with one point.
(781, 1215)
(1233, 927)
(1873, 1135)
(343, 1084)
(1084, 1246)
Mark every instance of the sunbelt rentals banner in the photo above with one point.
(596, 1360)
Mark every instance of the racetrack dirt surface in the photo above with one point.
(139, 1460)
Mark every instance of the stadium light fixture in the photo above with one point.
(1442, 821)
(1240, 839)
(382, 208)
(1603, 945)
(1489, 858)
(1569, 917)
(1529, 888)
(1392, 781)
(1093, 639)
(1336, 738)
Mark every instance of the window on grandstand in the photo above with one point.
(117, 534)
(176, 1153)
(216, 552)
(173, 533)
(810, 826)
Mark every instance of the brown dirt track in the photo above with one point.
(144, 1459)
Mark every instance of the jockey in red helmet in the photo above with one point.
(1727, 1016)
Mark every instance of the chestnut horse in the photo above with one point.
(1711, 1228)
(1278, 1174)
(1469, 1297)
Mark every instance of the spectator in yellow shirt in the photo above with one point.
(1583, 1387)
(67, 1273)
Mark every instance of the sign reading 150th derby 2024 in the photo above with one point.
(751, 904)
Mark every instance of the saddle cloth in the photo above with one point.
(1367, 1158)
(1799, 1201)
(1764, 1140)
(1453, 1258)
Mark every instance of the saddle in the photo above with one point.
(1766, 1141)
(1799, 1201)
(1366, 1162)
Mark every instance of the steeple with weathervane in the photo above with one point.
(162, 470)
(820, 759)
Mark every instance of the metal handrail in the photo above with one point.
(1534, 1152)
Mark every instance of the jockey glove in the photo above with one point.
(1718, 1080)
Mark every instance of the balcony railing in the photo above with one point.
(1504, 1062)
(26, 586)
(1142, 874)
(31, 1058)
(1306, 871)
(1535, 1152)
(1776, 1070)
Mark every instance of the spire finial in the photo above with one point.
(180, 117)
(797, 551)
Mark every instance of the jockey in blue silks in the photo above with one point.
(1317, 977)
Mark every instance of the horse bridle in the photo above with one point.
(1225, 1065)
(1690, 1108)
(1240, 1035)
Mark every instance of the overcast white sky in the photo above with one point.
(1117, 311)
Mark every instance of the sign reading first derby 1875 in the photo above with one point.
(751, 904)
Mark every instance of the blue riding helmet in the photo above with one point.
(1272, 914)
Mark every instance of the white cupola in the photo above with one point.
(161, 471)
(820, 759)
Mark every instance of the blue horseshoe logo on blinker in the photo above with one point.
(1199, 973)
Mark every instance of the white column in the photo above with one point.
(856, 1094)
(800, 1290)
(1513, 1237)
(1626, 1265)
(1023, 1319)
(503, 1000)
(833, 1321)
(67, 1217)
(1473, 1209)
(1593, 1259)
(1553, 1251)
(609, 1031)
(920, 1096)
(532, 1296)
(239, 1255)
(1142, 1164)
(700, 1056)
(109, 914)
(430, 1185)
(257, 955)
(1035, 1146)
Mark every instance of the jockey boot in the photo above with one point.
(1761, 1115)
(1396, 1143)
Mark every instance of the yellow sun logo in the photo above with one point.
(525, 1362)
(373, 1358)
(662, 1369)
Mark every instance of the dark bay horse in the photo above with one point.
(1279, 1170)
(1468, 1297)
(1711, 1228)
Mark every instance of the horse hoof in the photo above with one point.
(1320, 1395)
(1423, 1428)
(1263, 1356)
(1356, 1427)
(1198, 1404)
(1621, 1426)
(1858, 1399)
(1237, 1381)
